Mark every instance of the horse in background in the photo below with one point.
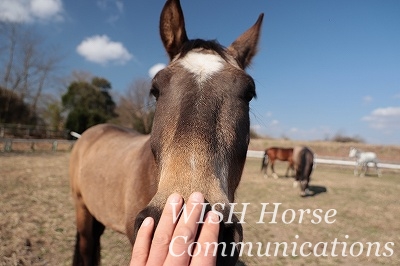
(119, 177)
(277, 153)
(303, 160)
(362, 160)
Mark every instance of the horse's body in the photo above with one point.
(277, 153)
(303, 160)
(122, 188)
(362, 160)
(118, 177)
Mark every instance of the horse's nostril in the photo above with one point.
(149, 211)
(229, 234)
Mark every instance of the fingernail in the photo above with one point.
(197, 197)
(174, 198)
(147, 221)
(213, 217)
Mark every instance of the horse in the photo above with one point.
(118, 176)
(303, 160)
(362, 160)
(277, 153)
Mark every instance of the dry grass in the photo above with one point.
(385, 153)
(36, 213)
(37, 217)
(368, 210)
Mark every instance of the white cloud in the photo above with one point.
(101, 50)
(256, 127)
(114, 7)
(104, 4)
(274, 122)
(154, 69)
(367, 99)
(397, 96)
(386, 119)
(21, 11)
(120, 6)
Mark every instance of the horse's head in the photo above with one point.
(201, 125)
(353, 152)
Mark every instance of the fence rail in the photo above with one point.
(30, 131)
(33, 144)
(8, 146)
(318, 160)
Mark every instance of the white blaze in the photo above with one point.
(203, 66)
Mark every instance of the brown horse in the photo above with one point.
(303, 160)
(277, 153)
(119, 177)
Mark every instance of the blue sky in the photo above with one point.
(323, 67)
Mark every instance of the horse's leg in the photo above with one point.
(307, 177)
(291, 169)
(273, 170)
(378, 171)
(356, 170)
(363, 170)
(266, 169)
(89, 230)
(296, 181)
(303, 186)
(264, 166)
(287, 170)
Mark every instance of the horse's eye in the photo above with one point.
(249, 93)
(155, 92)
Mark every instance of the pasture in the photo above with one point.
(37, 225)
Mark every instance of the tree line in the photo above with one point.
(33, 93)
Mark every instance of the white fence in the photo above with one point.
(7, 146)
(260, 154)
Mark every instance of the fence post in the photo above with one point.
(8, 145)
(55, 143)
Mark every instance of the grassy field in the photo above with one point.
(37, 217)
(368, 210)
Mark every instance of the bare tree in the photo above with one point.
(26, 63)
(52, 113)
(136, 106)
(9, 40)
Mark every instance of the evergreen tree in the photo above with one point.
(88, 104)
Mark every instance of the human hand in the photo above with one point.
(173, 243)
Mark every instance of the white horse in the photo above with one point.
(363, 158)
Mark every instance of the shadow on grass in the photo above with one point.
(369, 175)
(317, 190)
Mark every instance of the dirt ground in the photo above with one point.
(37, 216)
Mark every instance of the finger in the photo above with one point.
(141, 248)
(185, 232)
(206, 250)
(165, 229)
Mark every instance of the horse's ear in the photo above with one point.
(172, 27)
(245, 47)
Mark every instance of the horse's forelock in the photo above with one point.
(198, 44)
